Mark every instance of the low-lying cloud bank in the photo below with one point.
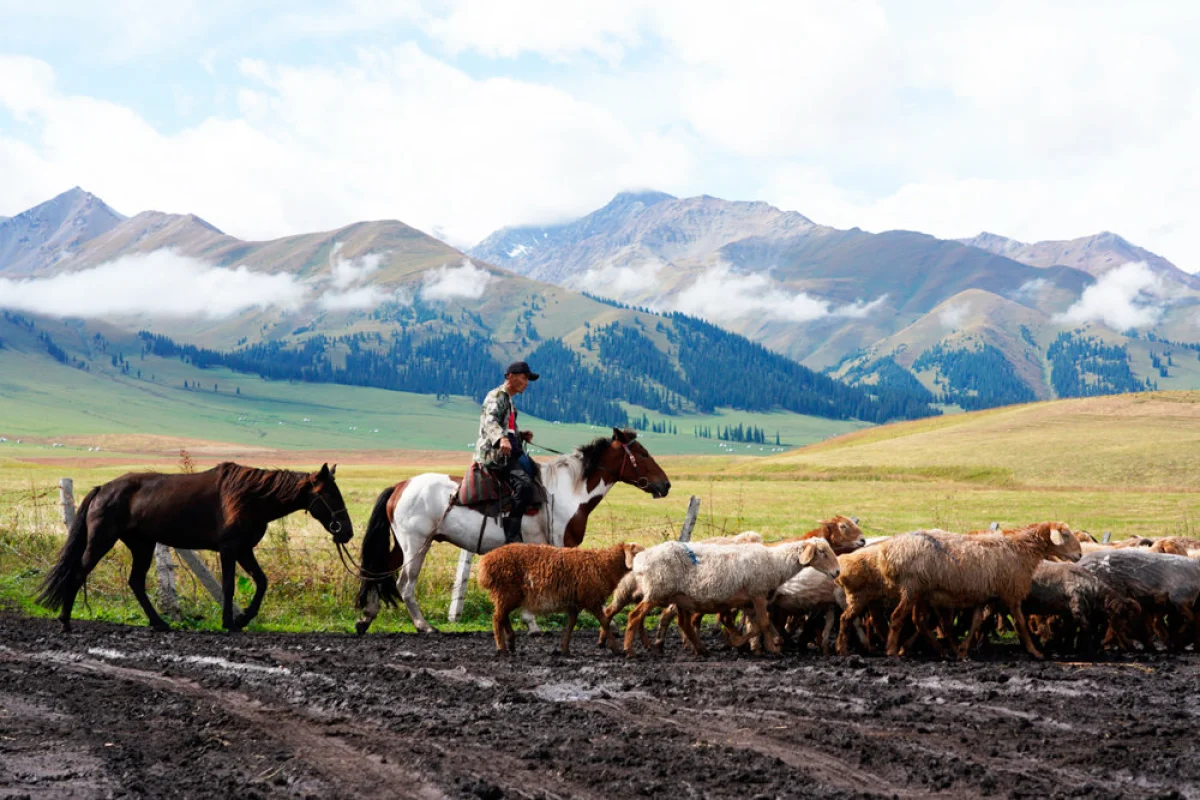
(162, 283)
(721, 295)
(448, 283)
(1130, 296)
(165, 283)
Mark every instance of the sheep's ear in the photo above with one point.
(806, 555)
(1056, 536)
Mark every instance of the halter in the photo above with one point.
(640, 481)
(334, 526)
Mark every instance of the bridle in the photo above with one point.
(640, 481)
(334, 527)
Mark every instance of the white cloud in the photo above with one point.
(162, 283)
(1030, 290)
(952, 316)
(465, 281)
(364, 297)
(432, 130)
(720, 295)
(620, 282)
(1130, 296)
(348, 273)
(1036, 120)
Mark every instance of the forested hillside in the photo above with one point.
(703, 368)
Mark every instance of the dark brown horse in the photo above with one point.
(413, 514)
(226, 509)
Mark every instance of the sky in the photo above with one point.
(1034, 120)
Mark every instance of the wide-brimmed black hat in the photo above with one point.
(520, 368)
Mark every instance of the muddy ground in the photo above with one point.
(112, 711)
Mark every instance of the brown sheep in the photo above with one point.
(1175, 545)
(865, 587)
(842, 533)
(944, 570)
(544, 579)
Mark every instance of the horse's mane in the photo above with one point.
(584, 459)
(282, 484)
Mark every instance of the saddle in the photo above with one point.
(483, 491)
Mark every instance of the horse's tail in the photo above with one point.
(59, 583)
(377, 555)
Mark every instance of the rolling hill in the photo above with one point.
(1126, 442)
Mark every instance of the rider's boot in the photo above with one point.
(512, 530)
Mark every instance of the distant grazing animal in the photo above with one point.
(226, 509)
(544, 579)
(411, 515)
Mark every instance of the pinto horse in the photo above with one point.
(418, 512)
(226, 509)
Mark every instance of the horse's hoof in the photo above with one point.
(64, 627)
(361, 626)
(161, 627)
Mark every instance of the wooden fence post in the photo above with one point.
(689, 522)
(66, 497)
(168, 601)
(458, 597)
(206, 578)
(1107, 536)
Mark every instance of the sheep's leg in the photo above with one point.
(853, 611)
(827, 634)
(636, 625)
(572, 618)
(902, 613)
(689, 631)
(976, 622)
(606, 635)
(499, 620)
(1018, 619)
(664, 624)
(760, 625)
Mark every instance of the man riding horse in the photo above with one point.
(500, 448)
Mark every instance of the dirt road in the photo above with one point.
(113, 711)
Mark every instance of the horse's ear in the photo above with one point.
(325, 473)
(333, 470)
(618, 435)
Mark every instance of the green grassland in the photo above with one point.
(1128, 464)
(42, 399)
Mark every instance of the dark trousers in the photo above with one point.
(521, 484)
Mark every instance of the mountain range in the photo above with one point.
(615, 300)
(843, 300)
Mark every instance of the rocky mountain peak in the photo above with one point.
(53, 230)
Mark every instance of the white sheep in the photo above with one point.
(711, 578)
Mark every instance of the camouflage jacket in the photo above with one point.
(493, 424)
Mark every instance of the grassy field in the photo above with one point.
(51, 403)
(1127, 464)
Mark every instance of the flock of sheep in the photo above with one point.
(931, 590)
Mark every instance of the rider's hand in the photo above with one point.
(527, 436)
(505, 447)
